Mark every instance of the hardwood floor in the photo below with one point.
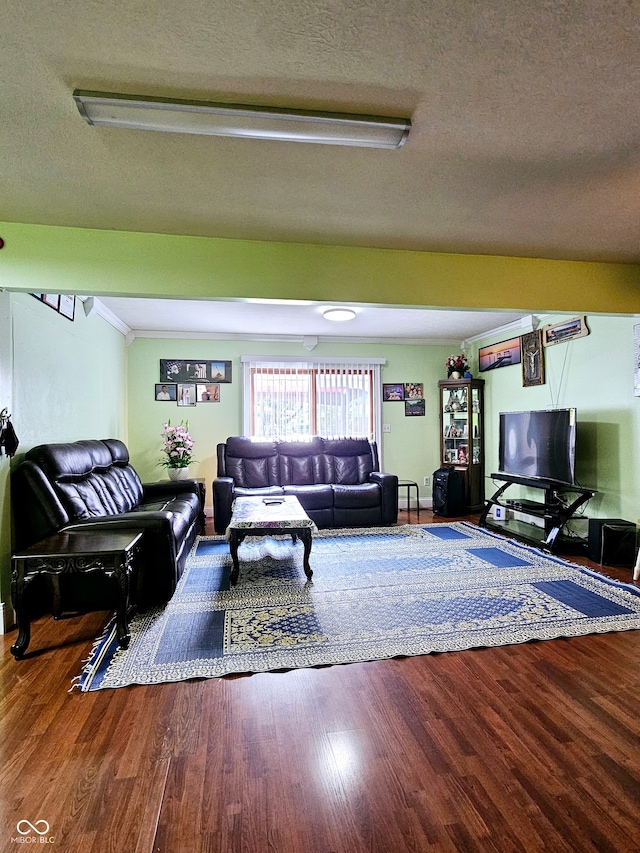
(529, 748)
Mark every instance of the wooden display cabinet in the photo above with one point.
(462, 434)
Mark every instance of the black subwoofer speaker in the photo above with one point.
(448, 492)
(612, 541)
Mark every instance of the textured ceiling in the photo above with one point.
(525, 139)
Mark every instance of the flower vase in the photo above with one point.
(454, 375)
(178, 473)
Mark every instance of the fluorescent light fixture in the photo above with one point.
(339, 315)
(213, 119)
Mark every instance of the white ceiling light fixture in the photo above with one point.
(338, 315)
(218, 119)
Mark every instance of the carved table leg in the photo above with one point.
(305, 535)
(56, 608)
(22, 615)
(235, 538)
(122, 603)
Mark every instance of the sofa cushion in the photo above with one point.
(240, 492)
(312, 497)
(348, 461)
(252, 464)
(301, 462)
(365, 495)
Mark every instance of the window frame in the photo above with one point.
(313, 365)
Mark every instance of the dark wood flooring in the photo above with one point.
(529, 748)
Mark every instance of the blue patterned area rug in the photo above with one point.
(375, 593)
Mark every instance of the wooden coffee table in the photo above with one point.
(277, 516)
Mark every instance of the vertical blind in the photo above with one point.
(293, 399)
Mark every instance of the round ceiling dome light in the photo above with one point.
(338, 315)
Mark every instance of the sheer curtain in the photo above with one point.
(286, 397)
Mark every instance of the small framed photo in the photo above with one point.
(67, 306)
(414, 408)
(208, 393)
(392, 393)
(166, 393)
(558, 333)
(219, 371)
(52, 299)
(186, 394)
(413, 391)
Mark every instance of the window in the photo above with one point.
(290, 399)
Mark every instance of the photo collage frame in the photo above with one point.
(187, 382)
(409, 393)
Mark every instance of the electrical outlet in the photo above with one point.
(426, 481)
(386, 427)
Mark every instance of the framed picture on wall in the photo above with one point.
(413, 408)
(558, 333)
(392, 393)
(51, 299)
(194, 370)
(413, 390)
(499, 355)
(67, 306)
(166, 393)
(220, 371)
(208, 393)
(186, 394)
(532, 359)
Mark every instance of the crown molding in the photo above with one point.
(519, 327)
(98, 307)
(299, 339)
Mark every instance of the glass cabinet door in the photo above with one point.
(476, 427)
(455, 425)
(462, 440)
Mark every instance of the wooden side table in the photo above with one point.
(75, 552)
(408, 485)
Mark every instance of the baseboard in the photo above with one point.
(7, 617)
(425, 503)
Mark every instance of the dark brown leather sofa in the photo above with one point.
(337, 481)
(91, 485)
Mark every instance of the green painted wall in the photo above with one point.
(69, 377)
(77, 260)
(5, 401)
(410, 450)
(595, 375)
(68, 381)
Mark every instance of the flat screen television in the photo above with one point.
(540, 444)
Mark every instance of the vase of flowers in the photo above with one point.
(457, 366)
(177, 446)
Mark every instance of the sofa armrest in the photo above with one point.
(172, 488)
(175, 488)
(223, 493)
(389, 487)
